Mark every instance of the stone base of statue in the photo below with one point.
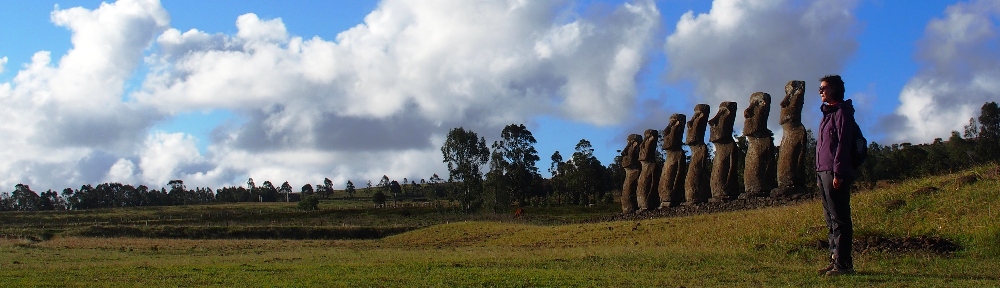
(785, 192)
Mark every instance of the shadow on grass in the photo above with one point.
(896, 276)
(242, 232)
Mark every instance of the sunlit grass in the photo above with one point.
(766, 247)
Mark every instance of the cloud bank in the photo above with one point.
(959, 57)
(376, 100)
(63, 120)
(380, 97)
(744, 46)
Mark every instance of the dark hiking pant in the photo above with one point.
(837, 211)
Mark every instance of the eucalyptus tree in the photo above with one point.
(465, 153)
(350, 189)
(517, 158)
(286, 189)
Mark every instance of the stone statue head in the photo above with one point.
(672, 135)
(648, 152)
(651, 134)
(791, 106)
(755, 123)
(696, 127)
(634, 138)
(722, 123)
(630, 155)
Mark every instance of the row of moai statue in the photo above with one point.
(679, 182)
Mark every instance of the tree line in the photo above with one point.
(511, 175)
(979, 143)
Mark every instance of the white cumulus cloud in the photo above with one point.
(165, 155)
(959, 59)
(64, 121)
(744, 46)
(389, 87)
(377, 100)
(123, 171)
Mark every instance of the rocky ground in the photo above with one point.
(712, 207)
(938, 245)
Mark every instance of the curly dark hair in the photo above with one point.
(836, 85)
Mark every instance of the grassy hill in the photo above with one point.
(765, 247)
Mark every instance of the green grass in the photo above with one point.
(766, 247)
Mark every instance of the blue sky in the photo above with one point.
(214, 92)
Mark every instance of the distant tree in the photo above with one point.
(383, 185)
(938, 160)
(244, 195)
(406, 190)
(24, 199)
(559, 183)
(556, 160)
(616, 173)
(971, 129)
(254, 192)
(959, 149)
(307, 190)
(434, 188)
(586, 174)
(177, 192)
(368, 188)
(515, 158)
(6, 203)
(496, 191)
(329, 187)
(286, 189)
(321, 191)
(67, 194)
(205, 195)
(465, 152)
(50, 200)
(988, 141)
(268, 192)
(395, 188)
(228, 194)
(309, 203)
(379, 198)
(350, 189)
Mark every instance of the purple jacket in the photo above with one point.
(834, 130)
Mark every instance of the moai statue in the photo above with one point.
(630, 162)
(792, 154)
(674, 169)
(724, 184)
(756, 114)
(696, 186)
(646, 194)
(758, 173)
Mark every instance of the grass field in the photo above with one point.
(554, 247)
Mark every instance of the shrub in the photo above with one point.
(379, 198)
(309, 203)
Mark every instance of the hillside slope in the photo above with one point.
(962, 206)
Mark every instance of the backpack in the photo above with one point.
(859, 146)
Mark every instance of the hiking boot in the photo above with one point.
(822, 271)
(839, 271)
